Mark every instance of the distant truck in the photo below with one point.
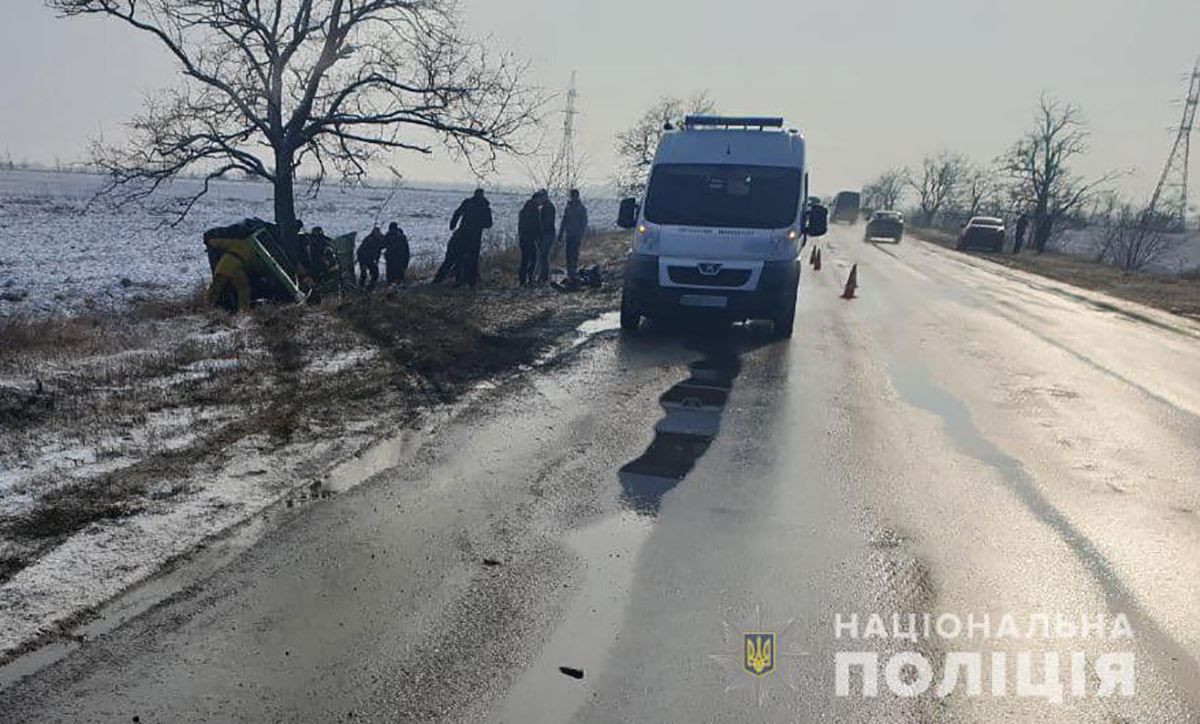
(846, 206)
(719, 231)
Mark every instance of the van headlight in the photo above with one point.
(786, 246)
(645, 239)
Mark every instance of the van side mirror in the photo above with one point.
(628, 213)
(816, 220)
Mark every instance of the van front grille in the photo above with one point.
(691, 276)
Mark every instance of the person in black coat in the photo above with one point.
(1022, 229)
(529, 231)
(396, 253)
(548, 216)
(368, 259)
(470, 220)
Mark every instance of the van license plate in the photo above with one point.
(704, 300)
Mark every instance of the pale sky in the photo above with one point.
(871, 84)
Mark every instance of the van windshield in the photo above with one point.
(724, 196)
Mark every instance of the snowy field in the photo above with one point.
(58, 256)
(1182, 256)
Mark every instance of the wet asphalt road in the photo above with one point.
(960, 439)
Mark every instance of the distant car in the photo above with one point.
(845, 207)
(885, 225)
(982, 232)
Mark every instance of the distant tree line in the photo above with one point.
(1034, 177)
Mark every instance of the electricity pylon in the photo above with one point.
(1170, 200)
(564, 169)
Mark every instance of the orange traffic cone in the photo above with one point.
(851, 283)
(817, 262)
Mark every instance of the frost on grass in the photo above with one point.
(131, 438)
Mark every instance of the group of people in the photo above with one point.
(538, 232)
(392, 247)
(537, 224)
(537, 237)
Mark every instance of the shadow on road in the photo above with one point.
(693, 407)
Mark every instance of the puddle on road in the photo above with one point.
(592, 625)
(694, 409)
(378, 458)
(587, 331)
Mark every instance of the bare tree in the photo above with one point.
(271, 85)
(1038, 167)
(1133, 238)
(637, 144)
(980, 191)
(937, 183)
(887, 190)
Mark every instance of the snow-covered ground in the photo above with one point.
(58, 255)
(1182, 257)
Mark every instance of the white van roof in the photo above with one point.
(749, 141)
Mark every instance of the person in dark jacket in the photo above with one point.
(450, 263)
(319, 251)
(1022, 229)
(368, 259)
(548, 216)
(396, 253)
(472, 217)
(571, 231)
(529, 230)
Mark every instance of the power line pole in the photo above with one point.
(564, 171)
(1170, 200)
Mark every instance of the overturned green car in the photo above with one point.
(250, 263)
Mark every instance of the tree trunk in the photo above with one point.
(1040, 228)
(1042, 233)
(285, 206)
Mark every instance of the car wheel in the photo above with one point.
(631, 318)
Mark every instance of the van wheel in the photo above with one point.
(784, 325)
(786, 322)
(631, 318)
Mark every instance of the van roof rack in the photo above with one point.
(759, 122)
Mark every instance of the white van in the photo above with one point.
(721, 226)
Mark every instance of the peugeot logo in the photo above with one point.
(709, 269)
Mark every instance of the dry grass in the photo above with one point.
(418, 345)
(91, 334)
